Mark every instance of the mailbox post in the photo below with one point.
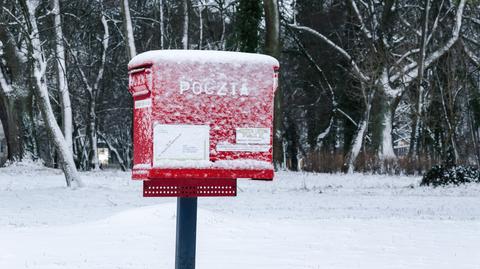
(201, 120)
(186, 233)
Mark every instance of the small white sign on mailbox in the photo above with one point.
(180, 143)
(253, 136)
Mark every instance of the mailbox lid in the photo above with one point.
(198, 56)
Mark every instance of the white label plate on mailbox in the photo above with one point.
(253, 136)
(180, 143)
(143, 103)
(242, 147)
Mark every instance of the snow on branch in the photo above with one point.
(82, 74)
(6, 87)
(455, 35)
(129, 29)
(106, 38)
(105, 42)
(406, 55)
(435, 23)
(410, 72)
(332, 44)
(363, 27)
(474, 58)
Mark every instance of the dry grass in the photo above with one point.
(326, 162)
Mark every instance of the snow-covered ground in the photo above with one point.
(297, 221)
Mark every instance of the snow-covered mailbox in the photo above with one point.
(202, 119)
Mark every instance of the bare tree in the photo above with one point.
(389, 79)
(62, 76)
(127, 23)
(93, 90)
(35, 49)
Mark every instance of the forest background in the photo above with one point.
(365, 85)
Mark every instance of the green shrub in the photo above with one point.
(445, 175)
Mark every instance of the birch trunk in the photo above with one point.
(359, 138)
(355, 146)
(200, 22)
(162, 25)
(43, 99)
(417, 112)
(127, 22)
(92, 133)
(185, 25)
(62, 77)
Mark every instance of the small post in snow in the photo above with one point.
(186, 233)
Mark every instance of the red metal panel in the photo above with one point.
(182, 187)
(140, 85)
(210, 173)
(224, 113)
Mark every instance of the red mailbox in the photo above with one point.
(201, 120)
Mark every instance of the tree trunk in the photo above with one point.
(62, 77)
(162, 26)
(383, 129)
(128, 28)
(41, 92)
(15, 104)
(92, 135)
(185, 25)
(359, 137)
(200, 23)
(416, 121)
(272, 28)
(272, 47)
(15, 118)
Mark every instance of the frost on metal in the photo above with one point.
(225, 164)
(203, 110)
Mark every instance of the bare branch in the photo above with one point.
(363, 27)
(82, 74)
(410, 72)
(340, 50)
(6, 87)
(473, 58)
(106, 37)
(435, 23)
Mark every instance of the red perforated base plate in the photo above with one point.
(188, 187)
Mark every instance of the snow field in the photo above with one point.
(297, 221)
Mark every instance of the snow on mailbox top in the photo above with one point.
(199, 56)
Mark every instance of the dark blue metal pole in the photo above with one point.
(186, 233)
